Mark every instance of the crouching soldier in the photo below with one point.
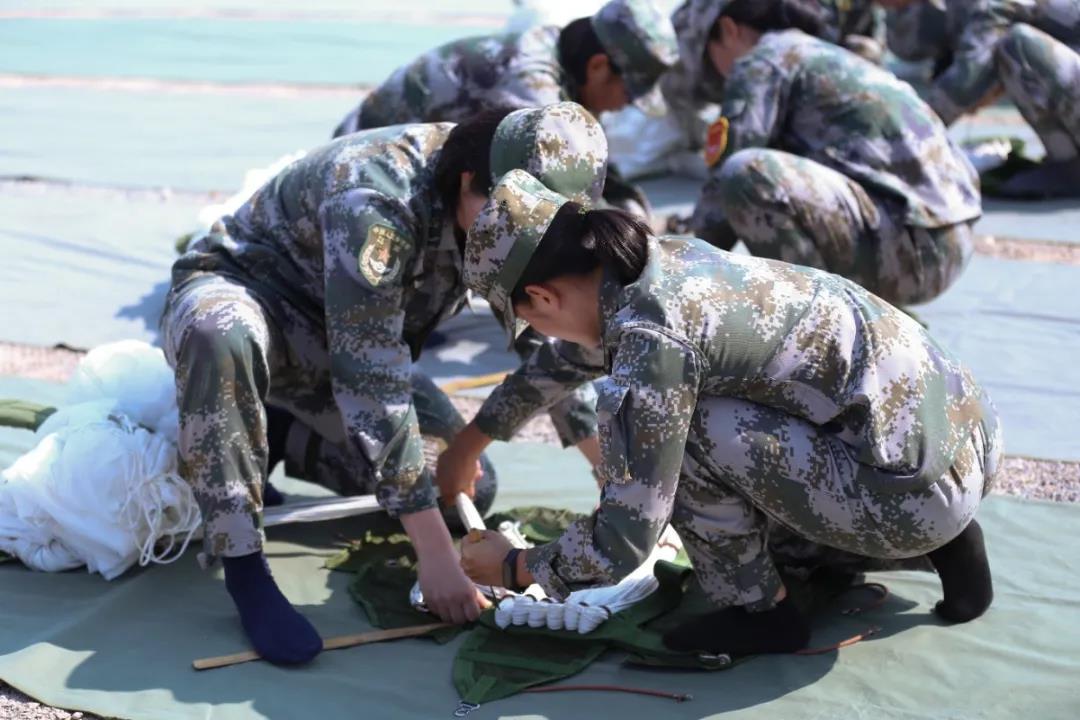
(740, 391)
(316, 298)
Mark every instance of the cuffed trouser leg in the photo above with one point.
(218, 339)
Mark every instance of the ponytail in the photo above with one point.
(578, 241)
(767, 15)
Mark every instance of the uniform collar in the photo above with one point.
(616, 297)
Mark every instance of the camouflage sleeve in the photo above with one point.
(645, 410)
(972, 73)
(574, 417)
(754, 100)
(368, 246)
(531, 89)
(554, 371)
(753, 106)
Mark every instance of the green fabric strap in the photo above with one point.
(23, 415)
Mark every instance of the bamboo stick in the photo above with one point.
(334, 643)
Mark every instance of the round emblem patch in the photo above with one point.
(382, 257)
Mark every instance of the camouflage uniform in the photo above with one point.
(742, 389)
(1032, 47)
(917, 32)
(456, 80)
(826, 160)
(855, 25)
(316, 297)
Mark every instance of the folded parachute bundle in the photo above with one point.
(100, 487)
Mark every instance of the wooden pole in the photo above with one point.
(334, 643)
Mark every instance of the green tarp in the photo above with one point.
(124, 649)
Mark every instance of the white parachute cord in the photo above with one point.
(146, 499)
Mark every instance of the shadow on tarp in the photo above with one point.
(148, 311)
(85, 267)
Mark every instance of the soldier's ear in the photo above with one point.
(598, 69)
(542, 297)
(726, 29)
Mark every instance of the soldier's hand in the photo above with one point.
(448, 592)
(457, 471)
(482, 556)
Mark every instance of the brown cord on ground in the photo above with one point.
(882, 595)
(677, 697)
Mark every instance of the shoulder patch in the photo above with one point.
(383, 257)
(716, 141)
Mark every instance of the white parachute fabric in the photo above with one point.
(100, 488)
(137, 380)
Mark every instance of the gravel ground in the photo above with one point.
(1032, 250)
(13, 704)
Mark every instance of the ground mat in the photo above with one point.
(124, 649)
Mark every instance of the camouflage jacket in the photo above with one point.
(805, 96)
(354, 237)
(456, 80)
(972, 31)
(850, 17)
(703, 322)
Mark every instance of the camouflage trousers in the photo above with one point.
(748, 466)
(234, 352)
(1041, 74)
(793, 209)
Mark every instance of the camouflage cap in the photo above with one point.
(693, 21)
(561, 145)
(641, 42)
(504, 237)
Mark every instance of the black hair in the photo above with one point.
(578, 43)
(767, 15)
(578, 241)
(942, 63)
(468, 149)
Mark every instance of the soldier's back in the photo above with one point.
(276, 239)
(461, 78)
(861, 120)
(810, 343)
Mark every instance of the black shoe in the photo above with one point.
(965, 576)
(734, 631)
(1049, 180)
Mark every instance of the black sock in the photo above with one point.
(965, 576)
(278, 422)
(278, 632)
(736, 632)
(272, 497)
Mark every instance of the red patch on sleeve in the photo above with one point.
(716, 141)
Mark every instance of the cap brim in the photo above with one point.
(651, 102)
